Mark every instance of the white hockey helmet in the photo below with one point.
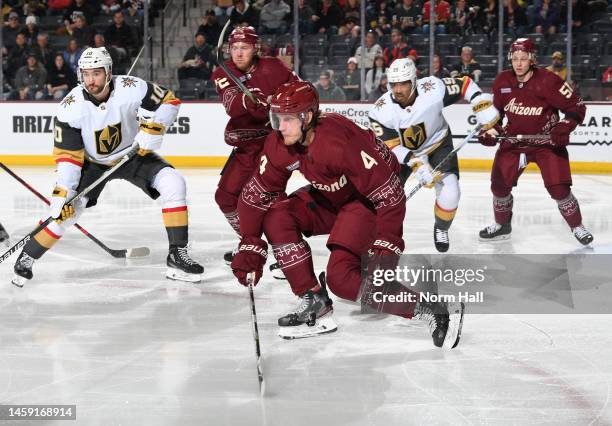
(401, 70)
(95, 57)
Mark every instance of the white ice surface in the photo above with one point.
(129, 347)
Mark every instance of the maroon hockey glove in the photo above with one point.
(385, 253)
(251, 257)
(487, 137)
(260, 107)
(560, 133)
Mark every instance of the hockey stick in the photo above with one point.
(230, 74)
(74, 199)
(260, 377)
(445, 159)
(117, 253)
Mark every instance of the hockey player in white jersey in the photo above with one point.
(408, 118)
(96, 124)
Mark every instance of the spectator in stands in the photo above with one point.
(546, 17)
(439, 70)
(468, 66)
(381, 26)
(398, 48)
(461, 17)
(352, 9)
(487, 21)
(60, 79)
(110, 7)
(10, 31)
(377, 10)
(515, 19)
(273, 17)
(327, 89)
(409, 16)
(34, 8)
(82, 7)
(380, 90)
(442, 9)
(327, 17)
(374, 75)
(30, 80)
(17, 56)
(198, 61)
(347, 27)
(350, 81)
(72, 54)
(286, 54)
(31, 30)
(82, 32)
(305, 18)
(606, 77)
(133, 9)
(223, 7)
(210, 27)
(372, 50)
(100, 41)
(243, 14)
(557, 66)
(580, 16)
(57, 7)
(42, 50)
(120, 35)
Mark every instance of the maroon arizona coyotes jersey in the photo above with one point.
(267, 75)
(343, 163)
(533, 107)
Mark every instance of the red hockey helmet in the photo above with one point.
(295, 97)
(523, 45)
(244, 35)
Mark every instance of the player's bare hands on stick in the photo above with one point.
(251, 257)
(489, 137)
(560, 133)
(61, 211)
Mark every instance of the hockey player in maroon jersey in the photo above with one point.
(531, 98)
(355, 195)
(248, 124)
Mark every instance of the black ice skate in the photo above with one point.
(582, 235)
(23, 269)
(496, 232)
(311, 317)
(444, 322)
(228, 256)
(441, 239)
(4, 237)
(181, 267)
(277, 272)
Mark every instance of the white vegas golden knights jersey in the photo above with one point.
(420, 127)
(104, 132)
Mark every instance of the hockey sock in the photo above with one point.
(444, 218)
(502, 208)
(175, 221)
(43, 241)
(233, 220)
(570, 210)
(295, 260)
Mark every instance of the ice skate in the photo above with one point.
(582, 235)
(23, 269)
(496, 232)
(182, 267)
(443, 322)
(312, 316)
(277, 272)
(441, 239)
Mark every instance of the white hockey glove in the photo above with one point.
(486, 113)
(423, 171)
(61, 211)
(150, 136)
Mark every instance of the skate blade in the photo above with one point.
(138, 252)
(495, 239)
(178, 275)
(455, 324)
(19, 281)
(323, 325)
(277, 273)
